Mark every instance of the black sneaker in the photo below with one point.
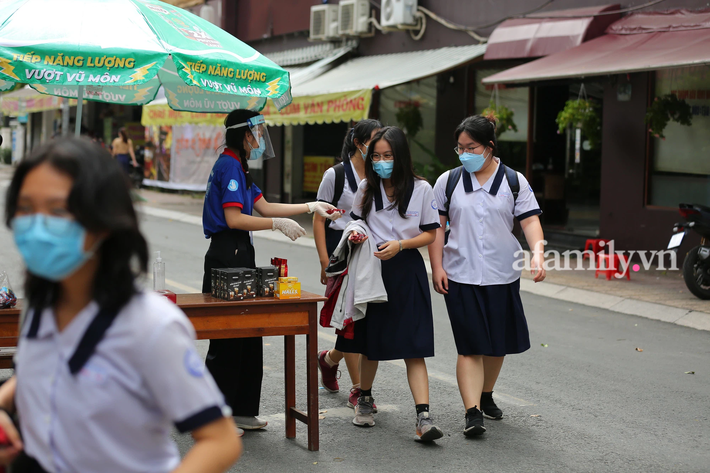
(474, 423)
(489, 408)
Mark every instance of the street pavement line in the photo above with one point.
(448, 379)
(650, 310)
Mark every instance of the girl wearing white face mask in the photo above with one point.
(338, 187)
(476, 269)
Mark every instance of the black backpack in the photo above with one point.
(455, 175)
(339, 186)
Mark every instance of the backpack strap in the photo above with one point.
(513, 182)
(452, 181)
(339, 186)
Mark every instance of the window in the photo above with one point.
(680, 165)
(412, 107)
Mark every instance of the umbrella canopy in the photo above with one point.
(121, 51)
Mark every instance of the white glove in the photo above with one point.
(288, 227)
(321, 208)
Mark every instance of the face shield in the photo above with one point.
(259, 144)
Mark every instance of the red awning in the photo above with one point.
(547, 33)
(638, 42)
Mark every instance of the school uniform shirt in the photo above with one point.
(482, 249)
(227, 187)
(326, 192)
(116, 414)
(384, 220)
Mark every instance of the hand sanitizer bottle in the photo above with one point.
(158, 273)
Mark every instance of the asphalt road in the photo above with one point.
(585, 401)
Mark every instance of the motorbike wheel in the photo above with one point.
(696, 276)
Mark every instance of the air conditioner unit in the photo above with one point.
(324, 22)
(354, 17)
(398, 12)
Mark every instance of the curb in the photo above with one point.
(650, 310)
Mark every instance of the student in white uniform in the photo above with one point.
(400, 211)
(476, 272)
(338, 187)
(104, 369)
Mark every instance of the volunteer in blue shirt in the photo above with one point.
(476, 269)
(227, 220)
(104, 370)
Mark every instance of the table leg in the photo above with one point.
(312, 376)
(290, 368)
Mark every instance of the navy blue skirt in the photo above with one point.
(403, 327)
(487, 320)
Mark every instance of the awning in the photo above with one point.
(184, 3)
(345, 92)
(159, 113)
(28, 100)
(387, 70)
(638, 42)
(550, 32)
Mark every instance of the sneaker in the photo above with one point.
(426, 430)
(328, 375)
(363, 412)
(250, 423)
(474, 423)
(489, 408)
(354, 395)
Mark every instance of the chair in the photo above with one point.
(609, 265)
(596, 245)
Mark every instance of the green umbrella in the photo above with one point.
(122, 51)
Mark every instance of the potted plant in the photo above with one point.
(503, 116)
(582, 114)
(664, 109)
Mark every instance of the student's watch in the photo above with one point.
(400, 245)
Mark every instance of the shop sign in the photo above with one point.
(313, 169)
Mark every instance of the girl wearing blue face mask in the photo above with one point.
(227, 220)
(476, 269)
(400, 211)
(94, 349)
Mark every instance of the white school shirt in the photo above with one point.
(384, 220)
(482, 249)
(116, 414)
(326, 192)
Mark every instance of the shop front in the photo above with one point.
(642, 65)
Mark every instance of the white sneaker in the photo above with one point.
(364, 415)
(249, 423)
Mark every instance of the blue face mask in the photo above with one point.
(472, 162)
(383, 168)
(364, 155)
(257, 152)
(52, 247)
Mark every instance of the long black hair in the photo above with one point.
(481, 129)
(234, 138)
(402, 174)
(100, 201)
(362, 131)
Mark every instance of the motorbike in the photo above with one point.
(696, 267)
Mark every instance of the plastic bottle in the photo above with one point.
(158, 273)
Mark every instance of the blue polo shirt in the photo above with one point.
(227, 187)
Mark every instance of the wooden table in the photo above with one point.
(261, 317)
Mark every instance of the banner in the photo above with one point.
(313, 169)
(326, 108)
(194, 149)
(163, 115)
(15, 106)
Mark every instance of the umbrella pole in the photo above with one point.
(79, 111)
